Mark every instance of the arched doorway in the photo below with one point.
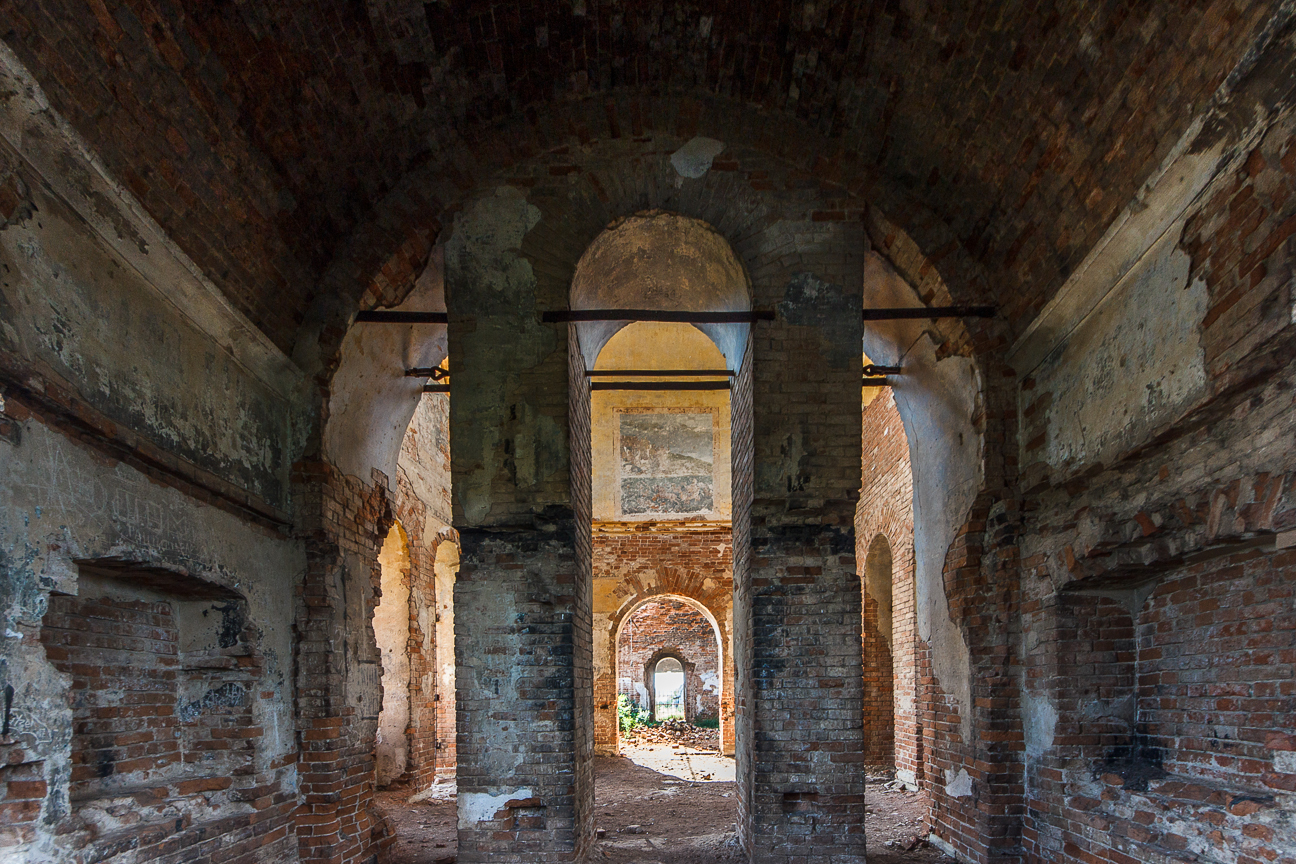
(660, 461)
(678, 629)
(667, 694)
(879, 654)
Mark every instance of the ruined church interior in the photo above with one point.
(645, 432)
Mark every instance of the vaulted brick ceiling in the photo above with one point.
(260, 134)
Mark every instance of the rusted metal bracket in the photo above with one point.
(876, 382)
(872, 369)
(436, 388)
(905, 313)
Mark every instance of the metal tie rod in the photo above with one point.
(876, 382)
(658, 373)
(905, 313)
(659, 385)
(436, 388)
(871, 369)
(436, 373)
(376, 316)
(558, 316)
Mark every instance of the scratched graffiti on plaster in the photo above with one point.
(667, 464)
(72, 488)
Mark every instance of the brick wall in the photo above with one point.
(885, 511)
(163, 694)
(343, 521)
(669, 627)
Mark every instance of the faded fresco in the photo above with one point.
(666, 464)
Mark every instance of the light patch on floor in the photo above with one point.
(684, 763)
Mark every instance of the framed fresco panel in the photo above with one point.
(666, 463)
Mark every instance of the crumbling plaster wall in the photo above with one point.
(73, 310)
(939, 401)
(1157, 447)
(371, 402)
(145, 422)
(62, 502)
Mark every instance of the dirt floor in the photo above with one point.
(664, 804)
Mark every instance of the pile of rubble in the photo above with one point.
(676, 732)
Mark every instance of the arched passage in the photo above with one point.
(668, 691)
(445, 566)
(667, 624)
(391, 625)
(514, 252)
(879, 653)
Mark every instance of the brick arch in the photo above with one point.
(716, 616)
(632, 606)
(774, 167)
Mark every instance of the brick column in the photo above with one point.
(522, 596)
(797, 598)
(515, 616)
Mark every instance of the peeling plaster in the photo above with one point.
(694, 159)
(371, 401)
(958, 785)
(71, 302)
(937, 401)
(487, 272)
(69, 169)
(61, 504)
(477, 807)
(1039, 722)
(1134, 364)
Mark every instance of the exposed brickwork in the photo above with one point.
(1171, 676)
(808, 794)
(1240, 244)
(528, 581)
(343, 520)
(638, 565)
(885, 510)
(163, 702)
(670, 628)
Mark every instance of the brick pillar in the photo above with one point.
(516, 695)
(522, 596)
(797, 599)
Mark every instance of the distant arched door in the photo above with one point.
(668, 689)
